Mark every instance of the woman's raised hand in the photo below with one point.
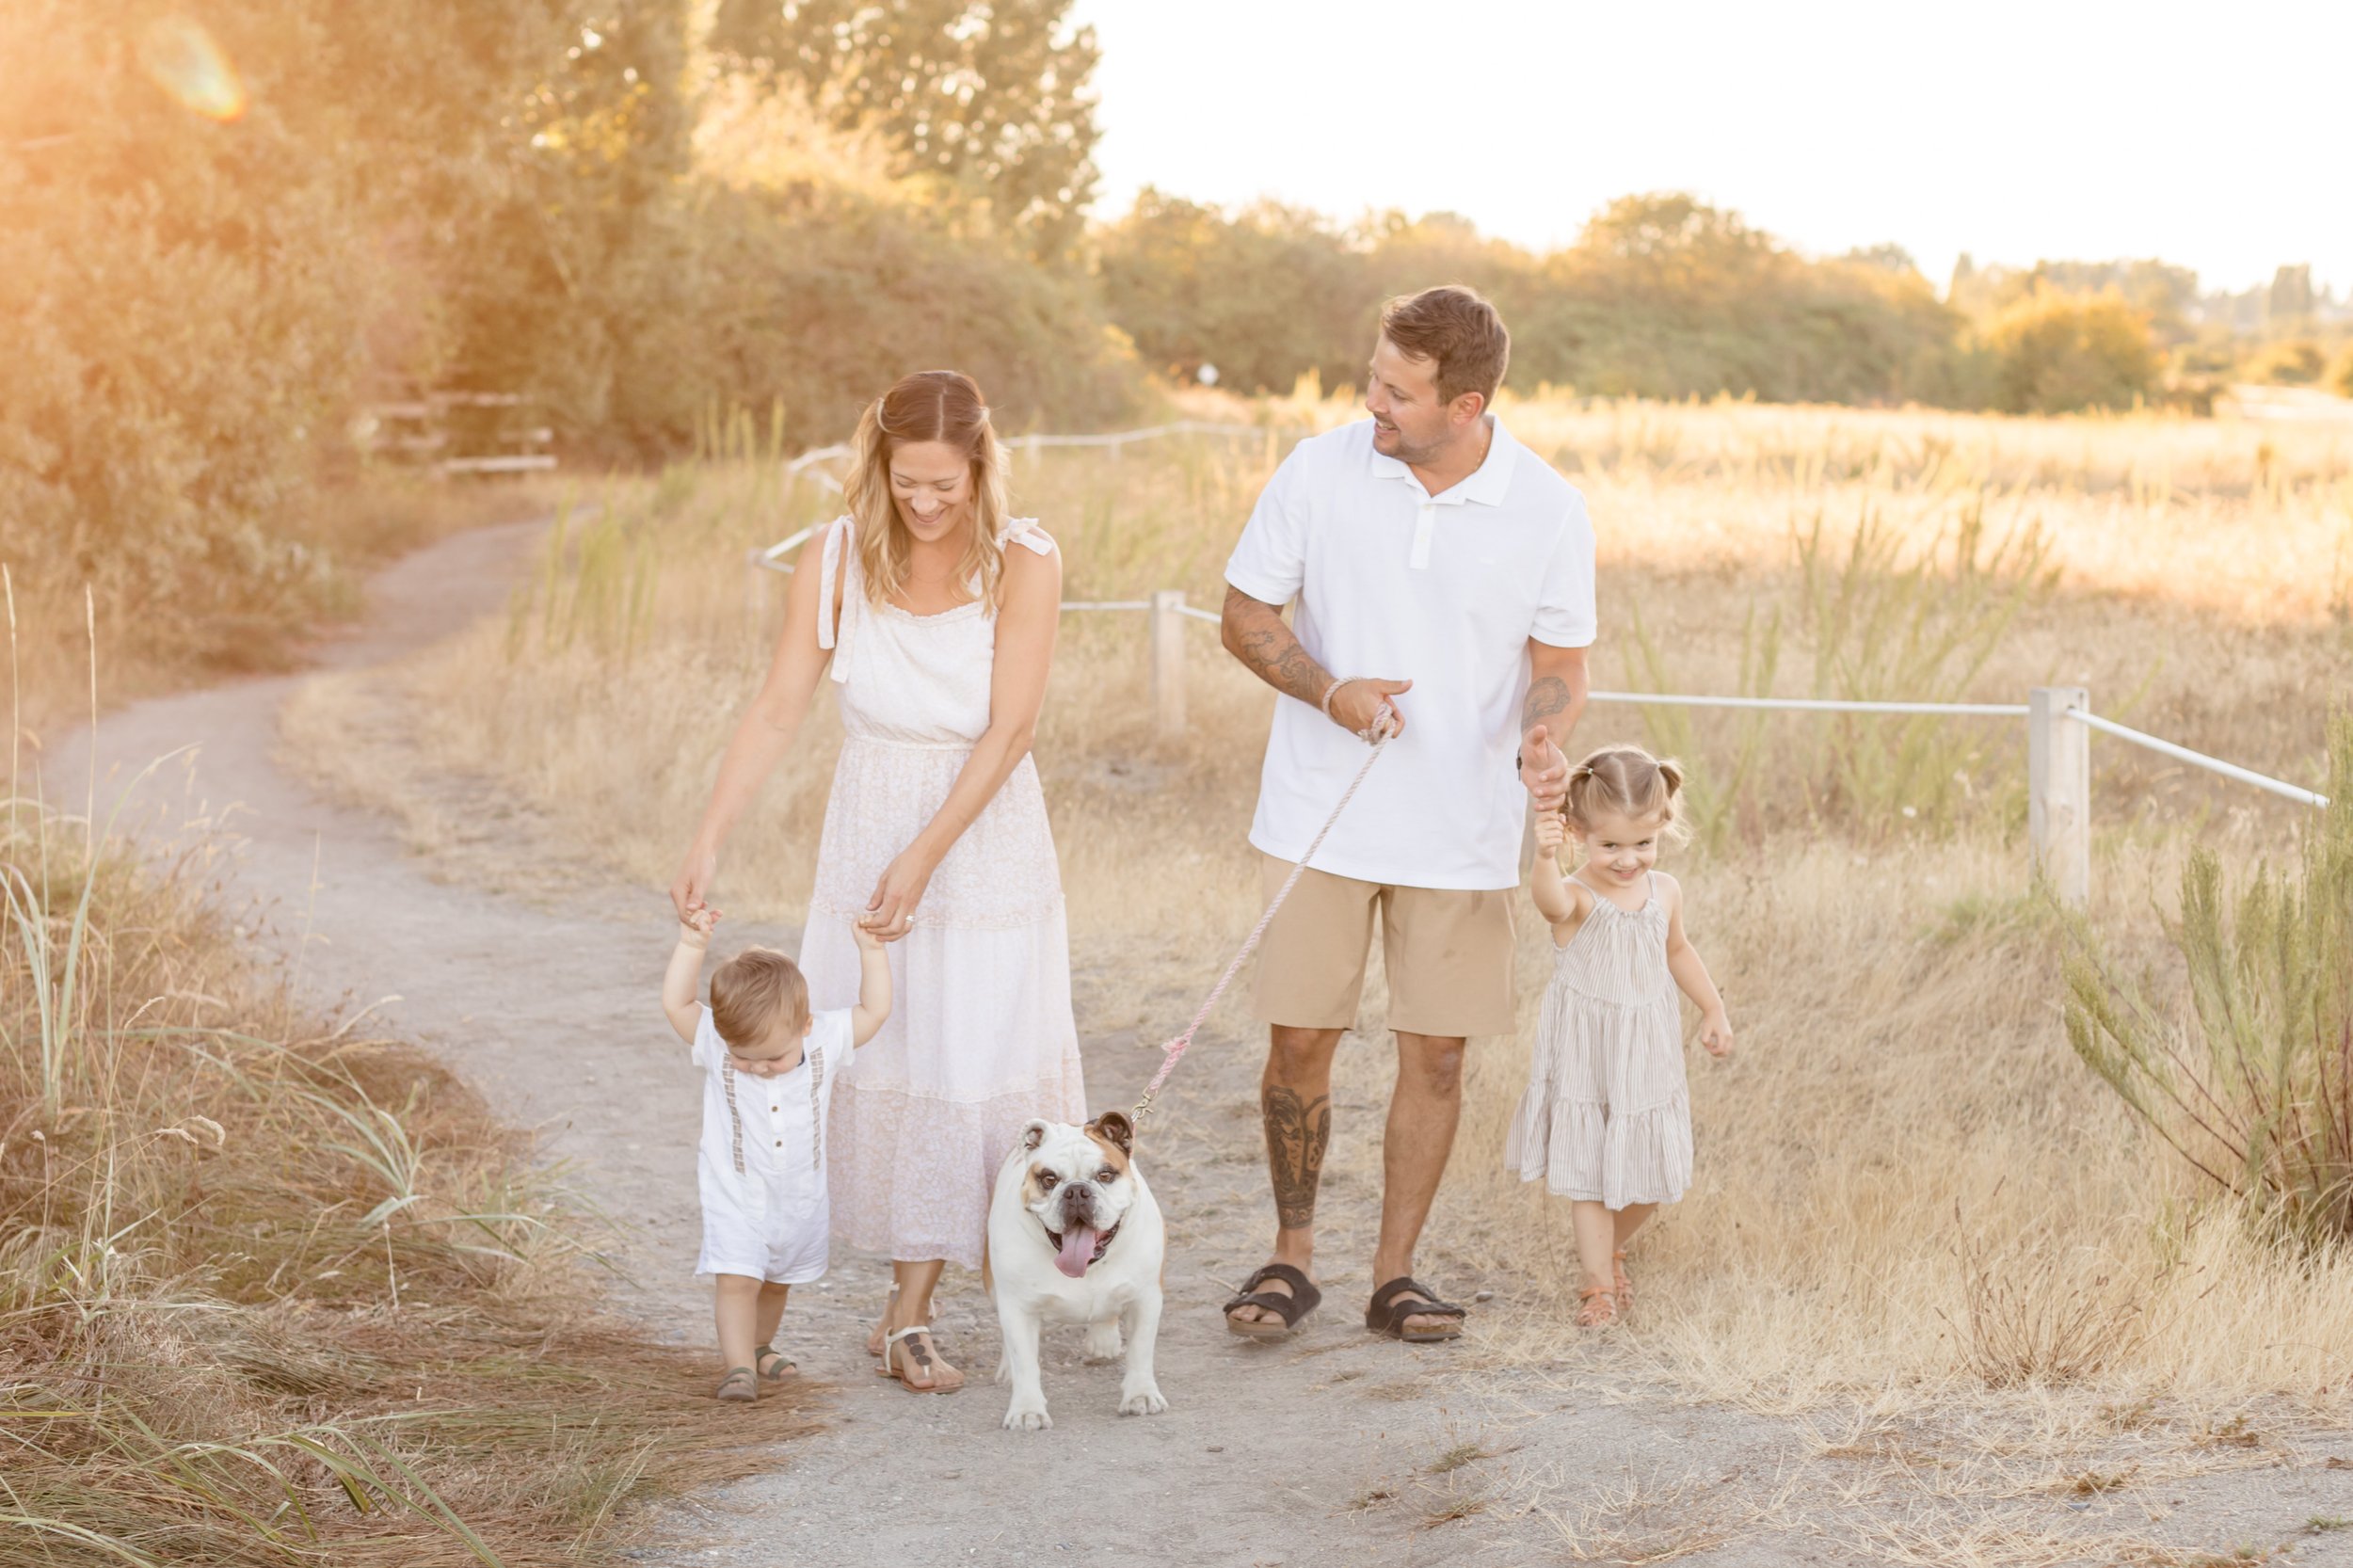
(693, 883)
(891, 913)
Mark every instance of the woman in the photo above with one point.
(936, 615)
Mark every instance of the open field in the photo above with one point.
(1916, 1209)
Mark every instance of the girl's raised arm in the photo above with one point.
(1556, 900)
(766, 730)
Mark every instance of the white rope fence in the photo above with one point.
(2199, 760)
(2058, 718)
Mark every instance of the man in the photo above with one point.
(1440, 569)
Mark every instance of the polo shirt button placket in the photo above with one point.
(1425, 521)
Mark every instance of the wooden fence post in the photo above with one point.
(1168, 664)
(2059, 790)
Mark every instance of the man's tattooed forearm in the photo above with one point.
(1297, 1133)
(1547, 698)
(1271, 651)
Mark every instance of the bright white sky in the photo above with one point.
(2213, 135)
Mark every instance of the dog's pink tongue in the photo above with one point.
(1078, 1250)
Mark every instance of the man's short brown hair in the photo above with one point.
(1453, 326)
(752, 992)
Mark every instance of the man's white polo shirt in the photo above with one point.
(1442, 590)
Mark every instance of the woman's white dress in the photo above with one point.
(980, 1037)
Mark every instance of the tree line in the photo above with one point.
(220, 232)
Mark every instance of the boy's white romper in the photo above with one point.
(762, 1164)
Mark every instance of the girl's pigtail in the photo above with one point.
(1574, 793)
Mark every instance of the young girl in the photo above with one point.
(1606, 1119)
(768, 1067)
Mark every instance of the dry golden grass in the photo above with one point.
(1906, 1181)
(273, 1292)
(217, 625)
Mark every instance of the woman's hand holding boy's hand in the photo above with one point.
(865, 937)
(1716, 1034)
(892, 910)
(694, 880)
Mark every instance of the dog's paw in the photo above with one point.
(1103, 1342)
(1029, 1418)
(1143, 1401)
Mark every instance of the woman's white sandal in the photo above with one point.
(923, 1358)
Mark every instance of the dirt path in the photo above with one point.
(1333, 1449)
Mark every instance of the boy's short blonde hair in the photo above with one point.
(752, 993)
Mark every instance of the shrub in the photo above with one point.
(2298, 363)
(192, 300)
(1266, 295)
(2340, 378)
(2058, 353)
(2254, 1087)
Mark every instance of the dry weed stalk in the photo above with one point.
(2025, 1321)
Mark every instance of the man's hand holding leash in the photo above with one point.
(1363, 706)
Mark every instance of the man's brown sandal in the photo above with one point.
(1403, 1298)
(1599, 1308)
(1303, 1300)
(903, 1345)
(740, 1384)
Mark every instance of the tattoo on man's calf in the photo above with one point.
(1297, 1133)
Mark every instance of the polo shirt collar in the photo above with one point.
(1487, 485)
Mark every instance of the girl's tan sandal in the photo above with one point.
(1599, 1308)
(1623, 1285)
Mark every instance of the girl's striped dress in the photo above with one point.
(1606, 1117)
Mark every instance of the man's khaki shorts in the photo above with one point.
(1449, 954)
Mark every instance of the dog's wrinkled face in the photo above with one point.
(1080, 1184)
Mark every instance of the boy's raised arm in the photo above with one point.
(874, 985)
(679, 981)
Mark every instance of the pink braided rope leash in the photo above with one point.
(1176, 1046)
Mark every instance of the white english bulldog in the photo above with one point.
(1074, 1237)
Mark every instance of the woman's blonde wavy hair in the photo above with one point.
(929, 405)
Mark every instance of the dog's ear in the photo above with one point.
(1117, 1129)
(1035, 1134)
